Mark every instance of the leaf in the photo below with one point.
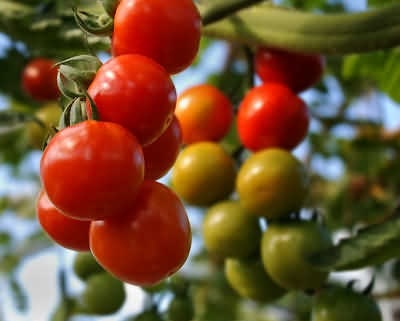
(372, 245)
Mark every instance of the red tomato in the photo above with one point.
(149, 243)
(271, 115)
(137, 93)
(39, 79)
(92, 170)
(296, 70)
(68, 232)
(167, 31)
(204, 112)
(160, 155)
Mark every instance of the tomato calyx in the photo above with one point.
(94, 24)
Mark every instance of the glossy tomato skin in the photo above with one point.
(160, 155)
(149, 243)
(205, 113)
(68, 232)
(165, 31)
(92, 170)
(39, 79)
(137, 93)
(271, 115)
(343, 304)
(298, 71)
(285, 248)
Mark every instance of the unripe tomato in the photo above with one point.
(68, 232)
(92, 170)
(165, 31)
(203, 174)
(39, 79)
(160, 155)
(85, 265)
(49, 115)
(271, 115)
(249, 280)
(103, 294)
(180, 309)
(296, 70)
(343, 304)
(229, 231)
(204, 112)
(137, 93)
(272, 183)
(149, 243)
(286, 248)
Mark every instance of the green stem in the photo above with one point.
(344, 33)
(223, 9)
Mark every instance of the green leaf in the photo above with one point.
(372, 245)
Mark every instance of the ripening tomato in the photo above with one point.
(68, 232)
(92, 170)
(160, 155)
(271, 115)
(167, 31)
(137, 93)
(148, 244)
(39, 79)
(298, 71)
(204, 112)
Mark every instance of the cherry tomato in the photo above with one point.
(166, 31)
(203, 174)
(272, 183)
(68, 232)
(149, 243)
(160, 155)
(205, 114)
(137, 93)
(249, 279)
(271, 115)
(343, 304)
(92, 170)
(285, 248)
(298, 71)
(229, 231)
(39, 79)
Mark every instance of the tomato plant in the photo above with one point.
(285, 251)
(271, 115)
(39, 79)
(85, 265)
(135, 92)
(298, 71)
(203, 174)
(149, 243)
(168, 32)
(68, 232)
(265, 180)
(92, 170)
(160, 155)
(204, 112)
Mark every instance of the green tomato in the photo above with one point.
(285, 248)
(249, 280)
(180, 309)
(272, 183)
(85, 265)
(343, 304)
(230, 231)
(103, 294)
(203, 173)
(147, 315)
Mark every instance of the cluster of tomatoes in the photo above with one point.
(99, 176)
